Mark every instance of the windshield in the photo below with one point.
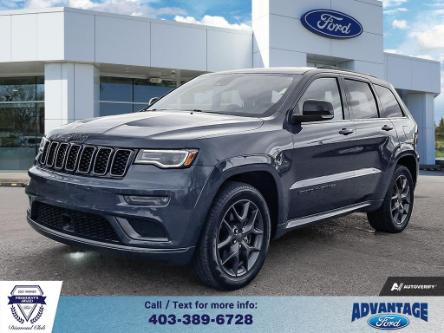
(238, 94)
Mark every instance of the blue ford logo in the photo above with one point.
(388, 321)
(331, 23)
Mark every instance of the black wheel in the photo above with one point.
(394, 214)
(235, 239)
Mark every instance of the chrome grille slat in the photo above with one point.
(51, 154)
(60, 156)
(72, 157)
(121, 160)
(86, 159)
(102, 161)
(43, 155)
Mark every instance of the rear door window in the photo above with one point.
(389, 104)
(361, 101)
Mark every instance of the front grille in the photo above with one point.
(51, 153)
(102, 161)
(86, 160)
(73, 155)
(120, 162)
(60, 157)
(74, 223)
(42, 158)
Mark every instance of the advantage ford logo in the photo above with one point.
(388, 321)
(331, 24)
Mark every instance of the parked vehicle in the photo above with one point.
(214, 170)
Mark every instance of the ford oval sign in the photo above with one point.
(331, 23)
(388, 321)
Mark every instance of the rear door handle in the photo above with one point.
(346, 131)
(387, 127)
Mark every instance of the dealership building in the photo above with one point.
(61, 64)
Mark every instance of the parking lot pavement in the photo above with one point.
(340, 257)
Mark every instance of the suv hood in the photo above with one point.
(167, 125)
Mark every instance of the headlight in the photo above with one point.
(167, 158)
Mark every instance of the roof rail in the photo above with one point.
(345, 70)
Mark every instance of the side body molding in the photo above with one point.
(334, 178)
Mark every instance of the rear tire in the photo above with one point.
(394, 214)
(235, 239)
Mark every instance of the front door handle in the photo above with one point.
(387, 127)
(346, 131)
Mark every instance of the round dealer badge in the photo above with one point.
(27, 303)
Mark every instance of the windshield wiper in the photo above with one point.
(186, 110)
(148, 109)
(193, 110)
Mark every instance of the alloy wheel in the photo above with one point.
(401, 200)
(240, 238)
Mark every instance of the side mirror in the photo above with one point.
(313, 110)
(153, 100)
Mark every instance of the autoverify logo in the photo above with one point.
(331, 23)
(389, 316)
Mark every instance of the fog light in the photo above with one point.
(150, 201)
(77, 256)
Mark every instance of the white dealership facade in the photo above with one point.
(86, 64)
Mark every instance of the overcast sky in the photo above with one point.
(411, 27)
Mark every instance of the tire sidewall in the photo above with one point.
(221, 206)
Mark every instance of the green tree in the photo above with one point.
(440, 129)
(440, 139)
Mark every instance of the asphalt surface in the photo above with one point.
(343, 256)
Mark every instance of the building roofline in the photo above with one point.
(371, 2)
(121, 16)
(31, 11)
(411, 57)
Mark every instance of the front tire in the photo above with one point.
(394, 214)
(235, 239)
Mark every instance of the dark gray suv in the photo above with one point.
(213, 171)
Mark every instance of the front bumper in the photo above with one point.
(180, 221)
(174, 256)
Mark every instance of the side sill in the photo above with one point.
(295, 223)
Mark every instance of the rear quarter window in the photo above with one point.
(361, 101)
(389, 105)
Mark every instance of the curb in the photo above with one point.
(430, 167)
(13, 184)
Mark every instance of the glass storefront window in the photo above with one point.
(143, 90)
(20, 89)
(116, 89)
(21, 121)
(125, 95)
(39, 89)
(111, 109)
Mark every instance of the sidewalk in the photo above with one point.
(13, 178)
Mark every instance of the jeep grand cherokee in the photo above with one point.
(212, 171)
